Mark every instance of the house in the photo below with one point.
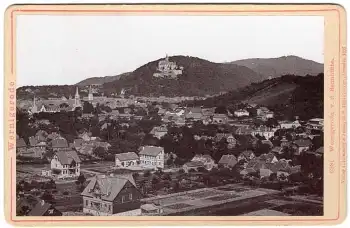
(192, 165)
(267, 142)
(78, 143)
(289, 124)
(25, 204)
(246, 155)
(241, 112)
(152, 157)
(268, 158)
(319, 151)
(151, 209)
(263, 132)
(43, 208)
(159, 132)
(206, 159)
(59, 143)
(125, 160)
(265, 172)
(220, 118)
(112, 195)
(277, 150)
(34, 152)
(244, 130)
(194, 116)
(301, 145)
(261, 110)
(287, 171)
(315, 124)
(228, 161)
(21, 146)
(66, 163)
(284, 142)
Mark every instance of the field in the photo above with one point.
(179, 206)
(222, 197)
(71, 201)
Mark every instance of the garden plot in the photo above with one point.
(222, 197)
(179, 206)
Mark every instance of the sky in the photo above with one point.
(57, 50)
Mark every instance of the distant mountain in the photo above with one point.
(290, 95)
(275, 67)
(199, 77)
(100, 80)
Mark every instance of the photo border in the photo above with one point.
(334, 102)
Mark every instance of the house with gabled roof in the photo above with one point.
(112, 196)
(159, 131)
(43, 208)
(206, 159)
(301, 145)
(192, 165)
(129, 159)
(268, 158)
(277, 150)
(21, 146)
(66, 163)
(59, 143)
(246, 155)
(228, 161)
(152, 157)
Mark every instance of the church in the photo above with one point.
(57, 105)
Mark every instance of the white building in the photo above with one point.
(125, 160)
(289, 124)
(241, 112)
(152, 157)
(66, 163)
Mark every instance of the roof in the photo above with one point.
(268, 142)
(228, 159)
(277, 149)
(247, 153)
(151, 150)
(20, 143)
(194, 115)
(303, 142)
(149, 207)
(194, 164)
(267, 157)
(59, 143)
(78, 142)
(202, 158)
(320, 150)
(127, 156)
(266, 212)
(109, 186)
(40, 209)
(67, 157)
(219, 115)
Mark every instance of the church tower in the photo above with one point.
(34, 107)
(90, 96)
(77, 99)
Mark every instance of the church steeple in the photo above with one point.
(77, 98)
(90, 96)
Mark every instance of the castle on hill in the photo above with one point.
(168, 69)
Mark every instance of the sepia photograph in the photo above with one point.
(168, 115)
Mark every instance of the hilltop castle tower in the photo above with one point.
(90, 96)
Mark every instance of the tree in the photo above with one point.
(47, 197)
(221, 110)
(88, 108)
(100, 152)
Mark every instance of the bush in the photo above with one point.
(65, 193)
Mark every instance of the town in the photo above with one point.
(131, 155)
